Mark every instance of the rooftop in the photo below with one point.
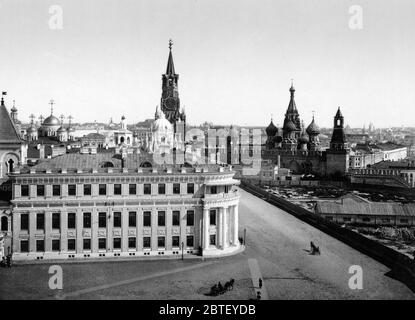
(112, 163)
(403, 164)
(354, 205)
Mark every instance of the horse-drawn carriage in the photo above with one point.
(220, 289)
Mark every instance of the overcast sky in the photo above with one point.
(235, 59)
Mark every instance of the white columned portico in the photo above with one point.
(235, 225)
(205, 228)
(225, 227)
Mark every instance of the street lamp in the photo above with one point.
(182, 249)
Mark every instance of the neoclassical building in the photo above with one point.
(92, 206)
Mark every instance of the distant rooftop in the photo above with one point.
(351, 204)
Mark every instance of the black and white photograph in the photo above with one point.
(215, 152)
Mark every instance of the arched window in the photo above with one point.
(10, 165)
(4, 224)
(107, 164)
(122, 139)
(145, 164)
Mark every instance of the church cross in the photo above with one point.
(51, 102)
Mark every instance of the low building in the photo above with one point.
(91, 206)
(352, 209)
(399, 174)
(364, 155)
(393, 152)
(271, 172)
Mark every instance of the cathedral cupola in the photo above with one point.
(313, 132)
(304, 139)
(271, 130)
(313, 129)
(289, 126)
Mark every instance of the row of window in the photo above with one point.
(117, 219)
(102, 243)
(102, 189)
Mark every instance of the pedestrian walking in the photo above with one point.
(260, 283)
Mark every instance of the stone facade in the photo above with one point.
(110, 212)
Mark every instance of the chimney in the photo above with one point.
(279, 161)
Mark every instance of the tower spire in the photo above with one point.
(170, 64)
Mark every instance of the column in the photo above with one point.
(79, 228)
(225, 228)
(154, 228)
(64, 190)
(48, 231)
(169, 222)
(48, 190)
(183, 227)
(124, 230)
(110, 224)
(80, 190)
(16, 231)
(206, 228)
(64, 231)
(235, 225)
(140, 230)
(32, 230)
(94, 230)
(32, 191)
(219, 228)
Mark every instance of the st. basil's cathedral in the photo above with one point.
(298, 148)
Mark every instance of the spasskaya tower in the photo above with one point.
(170, 101)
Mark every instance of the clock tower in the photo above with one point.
(170, 102)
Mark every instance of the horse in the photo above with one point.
(231, 284)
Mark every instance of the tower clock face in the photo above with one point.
(170, 104)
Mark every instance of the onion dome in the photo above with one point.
(61, 130)
(313, 129)
(278, 139)
(271, 130)
(290, 126)
(304, 139)
(31, 129)
(51, 121)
